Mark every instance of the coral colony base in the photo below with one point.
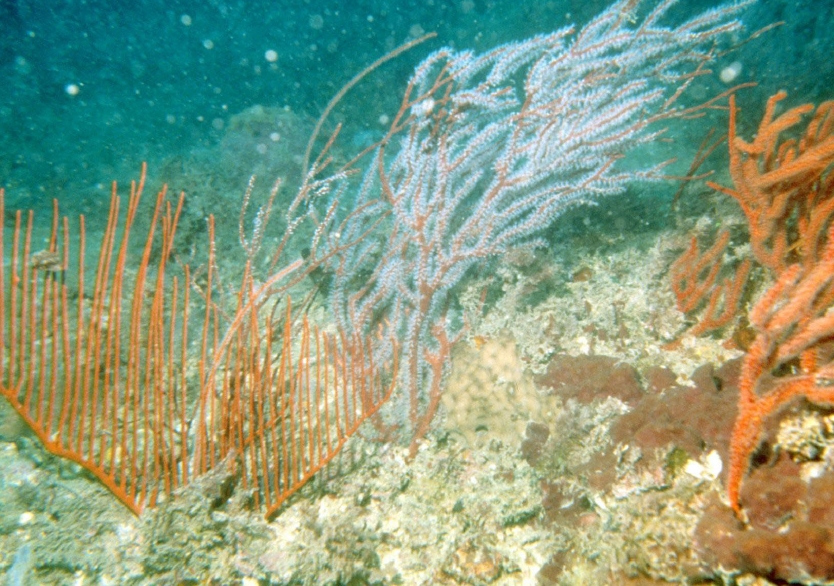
(521, 409)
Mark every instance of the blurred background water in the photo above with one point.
(90, 88)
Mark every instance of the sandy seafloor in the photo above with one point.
(574, 503)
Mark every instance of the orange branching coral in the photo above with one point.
(782, 187)
(128, 377)
(794, 322)
(694, 276)
(787, 197)
(786, 190)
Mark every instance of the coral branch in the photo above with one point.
(484, 153)
(102, 374)
(785, 189)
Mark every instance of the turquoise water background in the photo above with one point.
(92, 87)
